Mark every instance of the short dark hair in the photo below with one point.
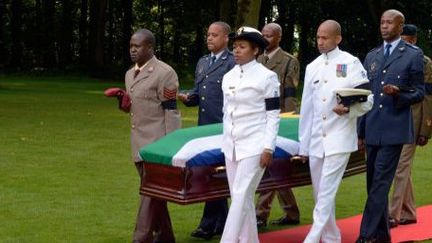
(225, 27)
(148, 36)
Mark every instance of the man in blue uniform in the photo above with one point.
(207, 95)
(395, 71)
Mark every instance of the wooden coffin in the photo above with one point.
(198, 184)
(191, 183)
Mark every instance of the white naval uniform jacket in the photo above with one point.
(248, 128)
(322, 132)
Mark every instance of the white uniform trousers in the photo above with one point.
(326, 174)
(243, 179)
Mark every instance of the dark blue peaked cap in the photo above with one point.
(410, 30)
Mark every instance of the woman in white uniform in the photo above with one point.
(250, 126)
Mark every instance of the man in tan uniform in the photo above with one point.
(286, 67)
(402, 205)
(152, 86)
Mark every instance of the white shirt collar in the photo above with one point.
(245, 67)
(394, 44)
(331, 54)
(217, 55)
(272, 53)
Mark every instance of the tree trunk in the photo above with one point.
(49, 37)
(97, 33)
(83, 33)
(161, 30)
(66, 34)
(248, 13)
(178, 29)
(3, 51)
(16, 34)
(127, 30)
(266, 13)
(286, 20)
(110, 54)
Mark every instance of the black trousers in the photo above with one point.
(214, 215)
(381, 168)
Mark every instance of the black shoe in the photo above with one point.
(392, 223)
(261, 223)
(407, 221)
(200, 233)
(365, 240)
(285, 221)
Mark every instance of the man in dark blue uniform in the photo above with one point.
(395, 71)
(207, 95)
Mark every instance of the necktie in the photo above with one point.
(212, 60)
(266, 59)
(136, 73)
(387, 51)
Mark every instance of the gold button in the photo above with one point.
(206, 76)
(382, 82)
(218, 81)
(202, 109)
(384, 71)
(380, 106)
(398, 76)
(204, 87)
(382, 94)
(203, 98)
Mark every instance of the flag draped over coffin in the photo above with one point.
(198, 146)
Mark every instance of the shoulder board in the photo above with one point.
(412, 46)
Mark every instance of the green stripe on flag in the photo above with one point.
(163, 150)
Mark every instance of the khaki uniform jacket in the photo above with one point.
(287, 67)
(422, 112)
(157, 82)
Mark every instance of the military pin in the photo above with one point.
(373, 66)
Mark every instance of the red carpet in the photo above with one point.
(350, 229)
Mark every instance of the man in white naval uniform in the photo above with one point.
(250, 126)
(327, 130)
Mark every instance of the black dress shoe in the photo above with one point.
(285, 221)
(365, 240)
(201, 233)
(392, 223)
(407, 221)
(261, 223)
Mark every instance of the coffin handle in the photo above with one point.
(220, 169)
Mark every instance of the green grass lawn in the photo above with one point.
(66, 173)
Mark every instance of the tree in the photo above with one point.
(3, 50)
(248, 13)
(83, 33)
(97, 34)
(16, 34)
(66, 37)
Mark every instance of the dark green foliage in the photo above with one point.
(92, 36)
